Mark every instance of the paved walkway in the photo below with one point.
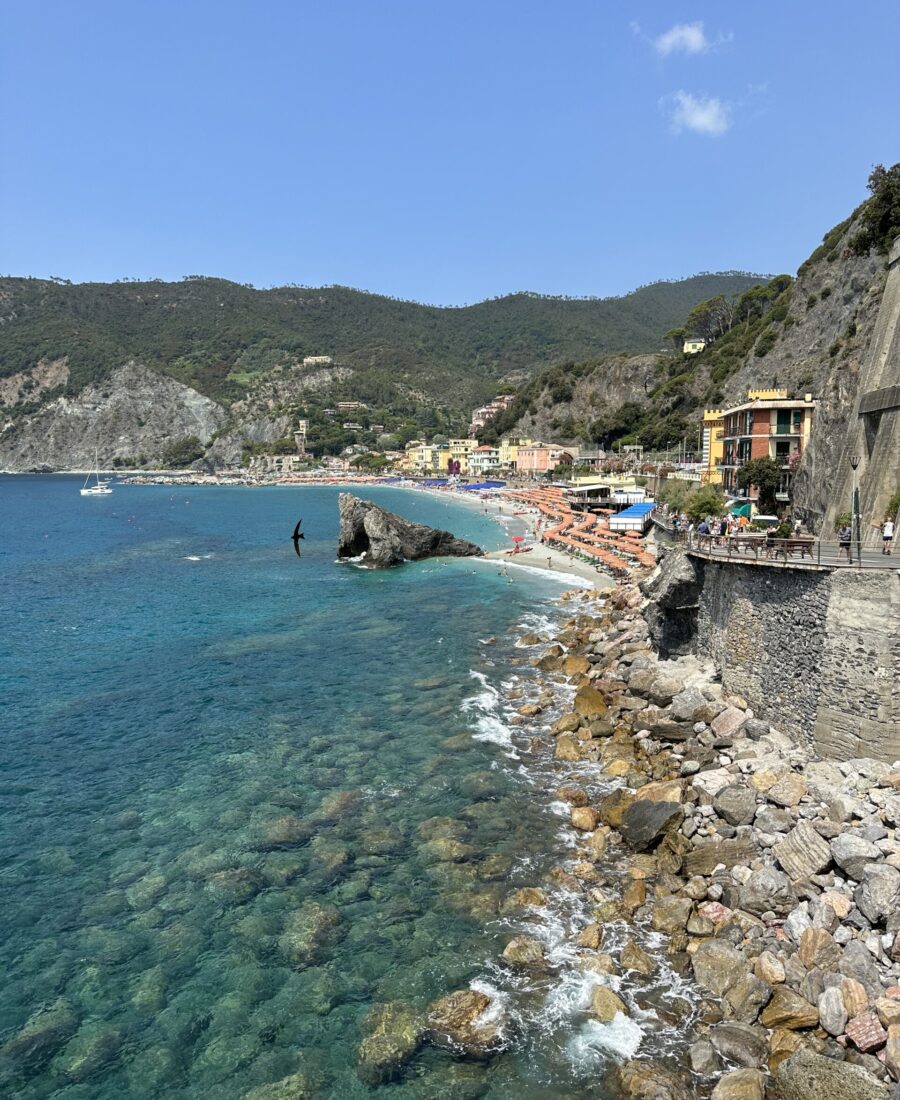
(824, 555)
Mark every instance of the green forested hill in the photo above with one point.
(220, 336)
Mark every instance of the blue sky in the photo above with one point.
(436, 150)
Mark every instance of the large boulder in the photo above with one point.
(737, 805)
(853, 853)
(718, 966)
(674, 593)
(808, 1076)
(384, 539)
(879, 892)
(767, 891)
(645, 822)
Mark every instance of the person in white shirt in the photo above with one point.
(887, 536)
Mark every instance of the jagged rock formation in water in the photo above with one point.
(387, 539)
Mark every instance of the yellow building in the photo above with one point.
(509, 451)
(408, 462)
(460, 449)
(693, 344)
(713, 447)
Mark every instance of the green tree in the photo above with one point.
(765, 474)
(880, 215)
(182, 452)
(703, 502)
(675, 493)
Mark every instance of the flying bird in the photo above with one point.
(296, 537)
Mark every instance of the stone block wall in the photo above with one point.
(765, 630)
(815, 653)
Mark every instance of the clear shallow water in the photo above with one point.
(220, 767)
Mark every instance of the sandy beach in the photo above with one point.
(509, 515)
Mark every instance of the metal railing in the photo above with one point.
(789, 552)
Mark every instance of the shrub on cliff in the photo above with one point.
(182, 452)
(879, 215)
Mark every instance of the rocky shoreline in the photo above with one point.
(770, 878)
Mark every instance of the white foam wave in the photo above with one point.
(489, 728)
(620, 1038)
(570, 580)
(499, 1006)
(536, 623)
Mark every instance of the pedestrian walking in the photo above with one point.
(845, 538)
(887, 536)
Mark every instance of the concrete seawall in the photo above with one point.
(817, 653)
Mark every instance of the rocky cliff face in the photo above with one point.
(134, 413)
(607, 385)
(821, 348)
(385, 539)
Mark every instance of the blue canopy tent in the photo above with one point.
(635, 518)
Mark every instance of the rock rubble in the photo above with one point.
(773, 876)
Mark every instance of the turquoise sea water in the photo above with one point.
(220, 772)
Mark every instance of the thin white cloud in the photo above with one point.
(700, 114)
(682, 38)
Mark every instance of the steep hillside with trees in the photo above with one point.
(805, 334)
(415, 366)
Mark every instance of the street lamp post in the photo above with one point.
(854, 462)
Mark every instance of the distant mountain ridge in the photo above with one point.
(217, 336)
(217, 369)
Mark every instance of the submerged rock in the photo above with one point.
(386, 539)
(466, 1021)
(42, 1036)
(310, 931)
(395, 1031)
(295, 1087)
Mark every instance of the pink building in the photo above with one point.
(482, 415)
(539, 458)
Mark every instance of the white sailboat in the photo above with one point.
(100, 488)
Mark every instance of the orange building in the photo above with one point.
(767, 425)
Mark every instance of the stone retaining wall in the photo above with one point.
(816, 653)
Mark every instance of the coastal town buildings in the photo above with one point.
(482, 459)
(713, 447)
(300, 436)
(539, 458)
(509, 451)
(460, 451)
(484, 413)
(351, 406)
(768, 424)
